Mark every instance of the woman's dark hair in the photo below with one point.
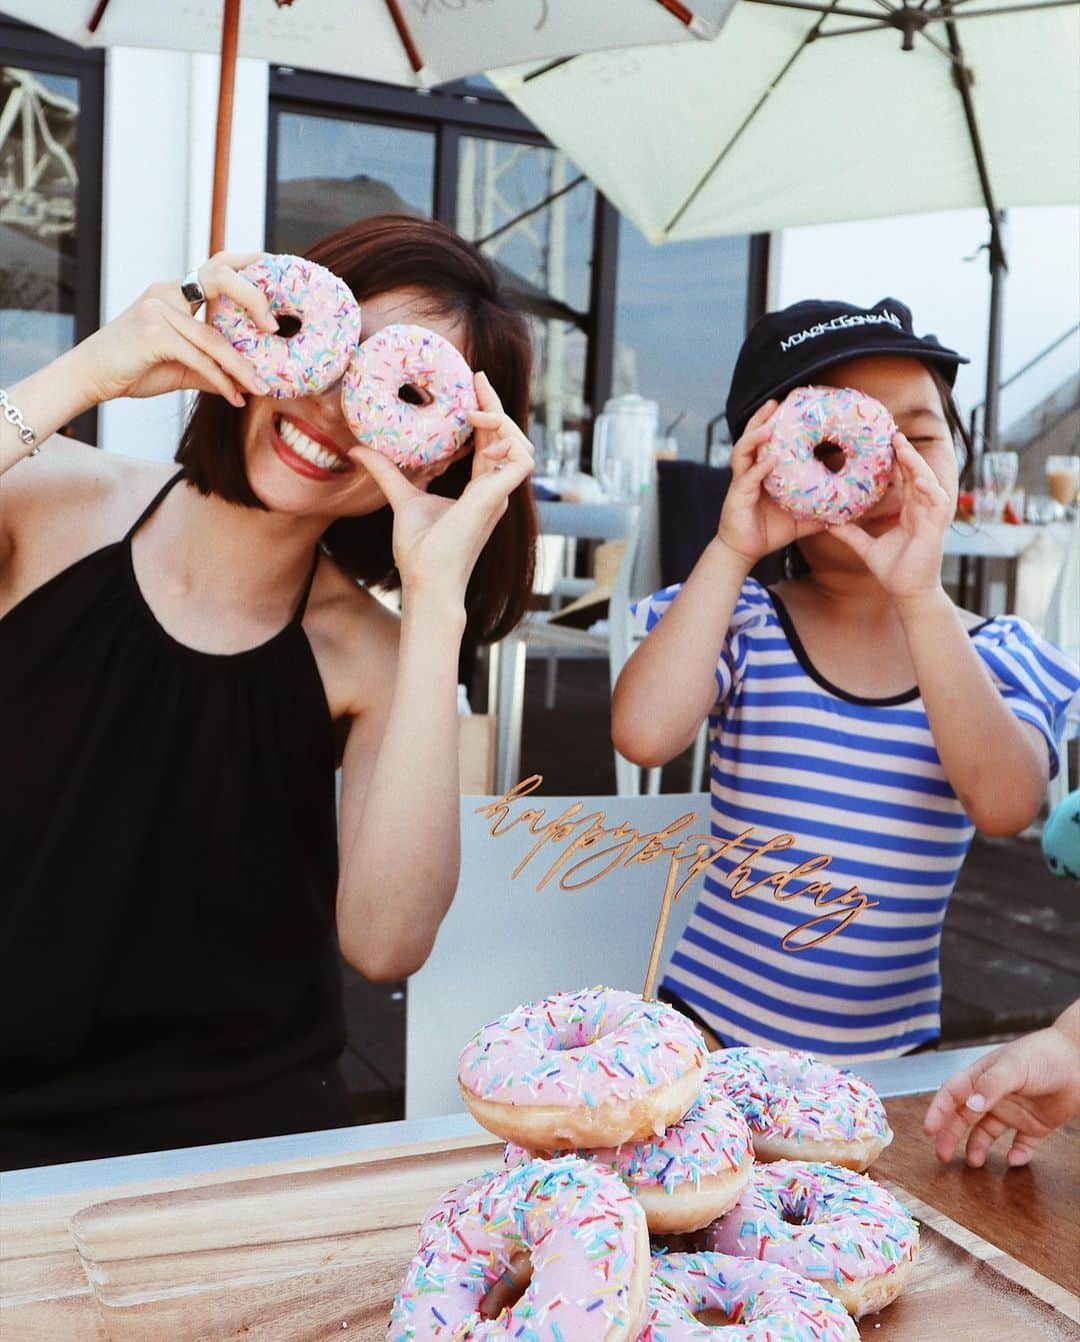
(374, 256)
(793, 563)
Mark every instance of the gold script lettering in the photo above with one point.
(593, 849)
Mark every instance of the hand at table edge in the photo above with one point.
(1027, 1087)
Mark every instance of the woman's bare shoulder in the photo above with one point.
(72, 498)
(70, 474)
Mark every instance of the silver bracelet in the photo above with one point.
(13, 415)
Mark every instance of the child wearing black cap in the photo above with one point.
(861, 725)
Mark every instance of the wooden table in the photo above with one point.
(282, 1247)
(1032, 1213)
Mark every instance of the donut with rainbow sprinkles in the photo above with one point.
(554, 1251)
(688, 1177)
(831, 1225)
(584, 1069)
(801, 1109)
(832, 453)
(694, 1294)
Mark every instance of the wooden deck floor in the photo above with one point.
(1010, 948)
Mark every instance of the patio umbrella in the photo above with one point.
(418, 42)
(806, 112)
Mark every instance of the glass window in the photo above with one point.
(39, 204)
(330, 171)
(680, 318)
(532, 212)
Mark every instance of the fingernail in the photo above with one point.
(976, 1102)
(263, 388)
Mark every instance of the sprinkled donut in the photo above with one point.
(405, 394)
(690, 1293)
(808, 423)
(589, 1250)
(315, 357)
(593, 1068)
(802, 1109)
(688, 1177)
(831, 1225)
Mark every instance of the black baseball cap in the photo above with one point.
(785, 349)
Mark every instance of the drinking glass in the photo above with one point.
(1063, 479)
(567, 452)
(997, 475)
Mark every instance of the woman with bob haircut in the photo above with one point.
(185, 655)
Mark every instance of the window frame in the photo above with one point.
(449, 112)
(24, 46)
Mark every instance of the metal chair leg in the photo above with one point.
(509, 677)
(697, 767)
(627, 777)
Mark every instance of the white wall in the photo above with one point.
(160, 113)
(923, 260)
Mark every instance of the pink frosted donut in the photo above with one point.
(688, 1177)
(811, 481)
(589, 1250)
(405, 394)
(831, 1225)
(802, 1109)
(315, 357)
(586, 1069)
(691, 1293)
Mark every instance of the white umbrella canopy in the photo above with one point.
(813, 111)
(396, 41)
(417, 42)
(764, 129)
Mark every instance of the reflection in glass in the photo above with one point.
(331, 172)
(531, 211)
(39, 193)
(679, 320)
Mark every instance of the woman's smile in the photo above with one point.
(307, 451)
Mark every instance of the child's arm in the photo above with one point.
(669, 684)
(996, 764)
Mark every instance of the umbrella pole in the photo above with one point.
(993, 346)
(230, 34)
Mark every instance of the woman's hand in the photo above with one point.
(1027, 1088)
(751, 523)
(906, 559)
(437, 541)
(157, 345)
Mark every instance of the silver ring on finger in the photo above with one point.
(192, 289)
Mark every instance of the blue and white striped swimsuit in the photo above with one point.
(820, 926)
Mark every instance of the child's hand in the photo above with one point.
(1026, 1088)
(905, 557)
(751, 523)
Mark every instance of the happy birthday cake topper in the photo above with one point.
(594, 849)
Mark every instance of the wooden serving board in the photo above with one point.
(45, 1295)
(314, 1254)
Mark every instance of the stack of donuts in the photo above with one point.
(744, 1166)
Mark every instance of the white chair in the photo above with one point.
(504, 941)
(638, 575)
(1062, 626)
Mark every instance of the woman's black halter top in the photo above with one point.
(168, 859)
